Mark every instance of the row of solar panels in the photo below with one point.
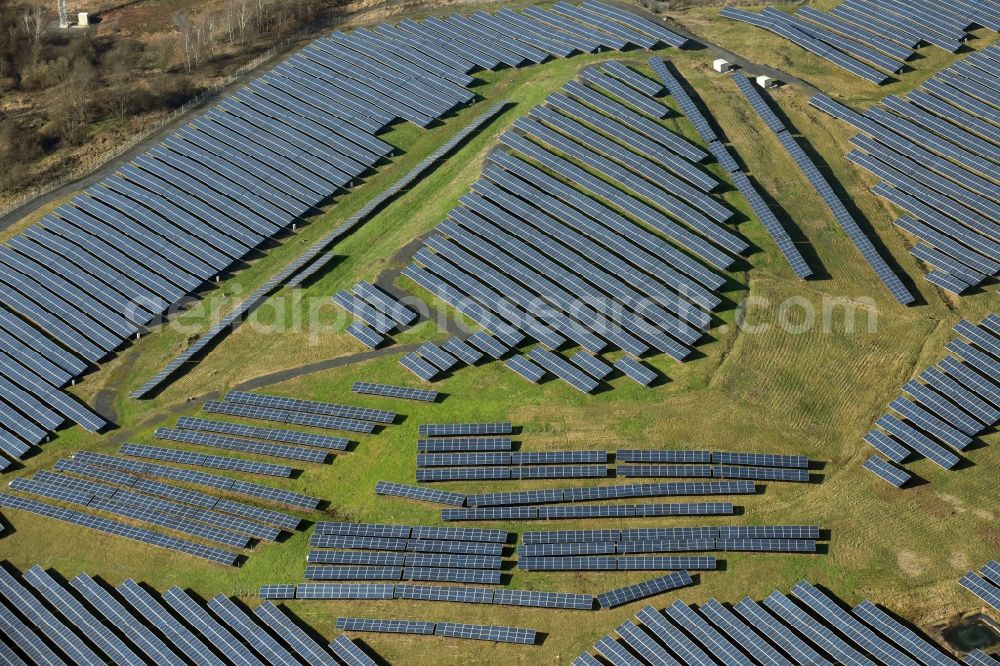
(476, 595)
(956, 401)
(542, 471)
(138, 491)
(886, 275)
(592, 511)
(736, 536)
(315, 261)
(554, 495)
(527, 256)
(378, 313)
(813, 628)
(872, 39)
(475, 632)
(306, 264)
(985, 583)
(674, 533)
(495, 451)
(934, 153)
(102, 267)
(86, 622)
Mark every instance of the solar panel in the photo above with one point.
(364, 529)
(419, 367)
(388, 391)
(486, 633)
(980, 658)
(760, 459)
(522, 366)
(282, 416)
(273, 434)
(452, 575)
(455, 547)
(237, 444)
(568, 549)
(505, 597)
(662, 456)
(302, 643)
(886, 471)
(472, 459)
(312, 407)
(811, 628)
(199, 619)
(155, 614)
(718, 645)
(982, 588)
(365, 335)
(744, 636)
(385, 626)
(491, 513)
(767, 545)
(344, 591)
(244, 627)
(665, 563)
(637, 371)
(887, 446)
(664, 546)
(456, 347)
(385, 303)
(353, 573)
(464, 429)
(430, 474)
(456, 594)
(648, 588)
(276, 592)
(918, 441)
(454, 444)
(354, 542)
(350, 653)
(769, 532)
(117, 615)
(562, 369)
(861, 635)
(488, 344)
(783, 637)
(60, 635)
(418, 493)
(201, 460)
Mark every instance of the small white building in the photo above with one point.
(82, 20)
(766, 81)
(721, 65)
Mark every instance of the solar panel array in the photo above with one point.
(749, 632)
(85, 623)
(934, 152)
(873, 40)
(956, 400)
(386, 391)
(95, 271)
(985, 584)
(530, 255)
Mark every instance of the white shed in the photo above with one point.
(766, 81)
(721, 65)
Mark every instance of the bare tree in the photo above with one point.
(33, 24)
(188, 39)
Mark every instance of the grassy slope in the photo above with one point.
(813, 393)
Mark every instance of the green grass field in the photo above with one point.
(813, 393)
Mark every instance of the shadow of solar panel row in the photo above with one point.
(419, 493)
(244, 445)
(387, 391)
(245, 488)
(115, 528)
(273, 434)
